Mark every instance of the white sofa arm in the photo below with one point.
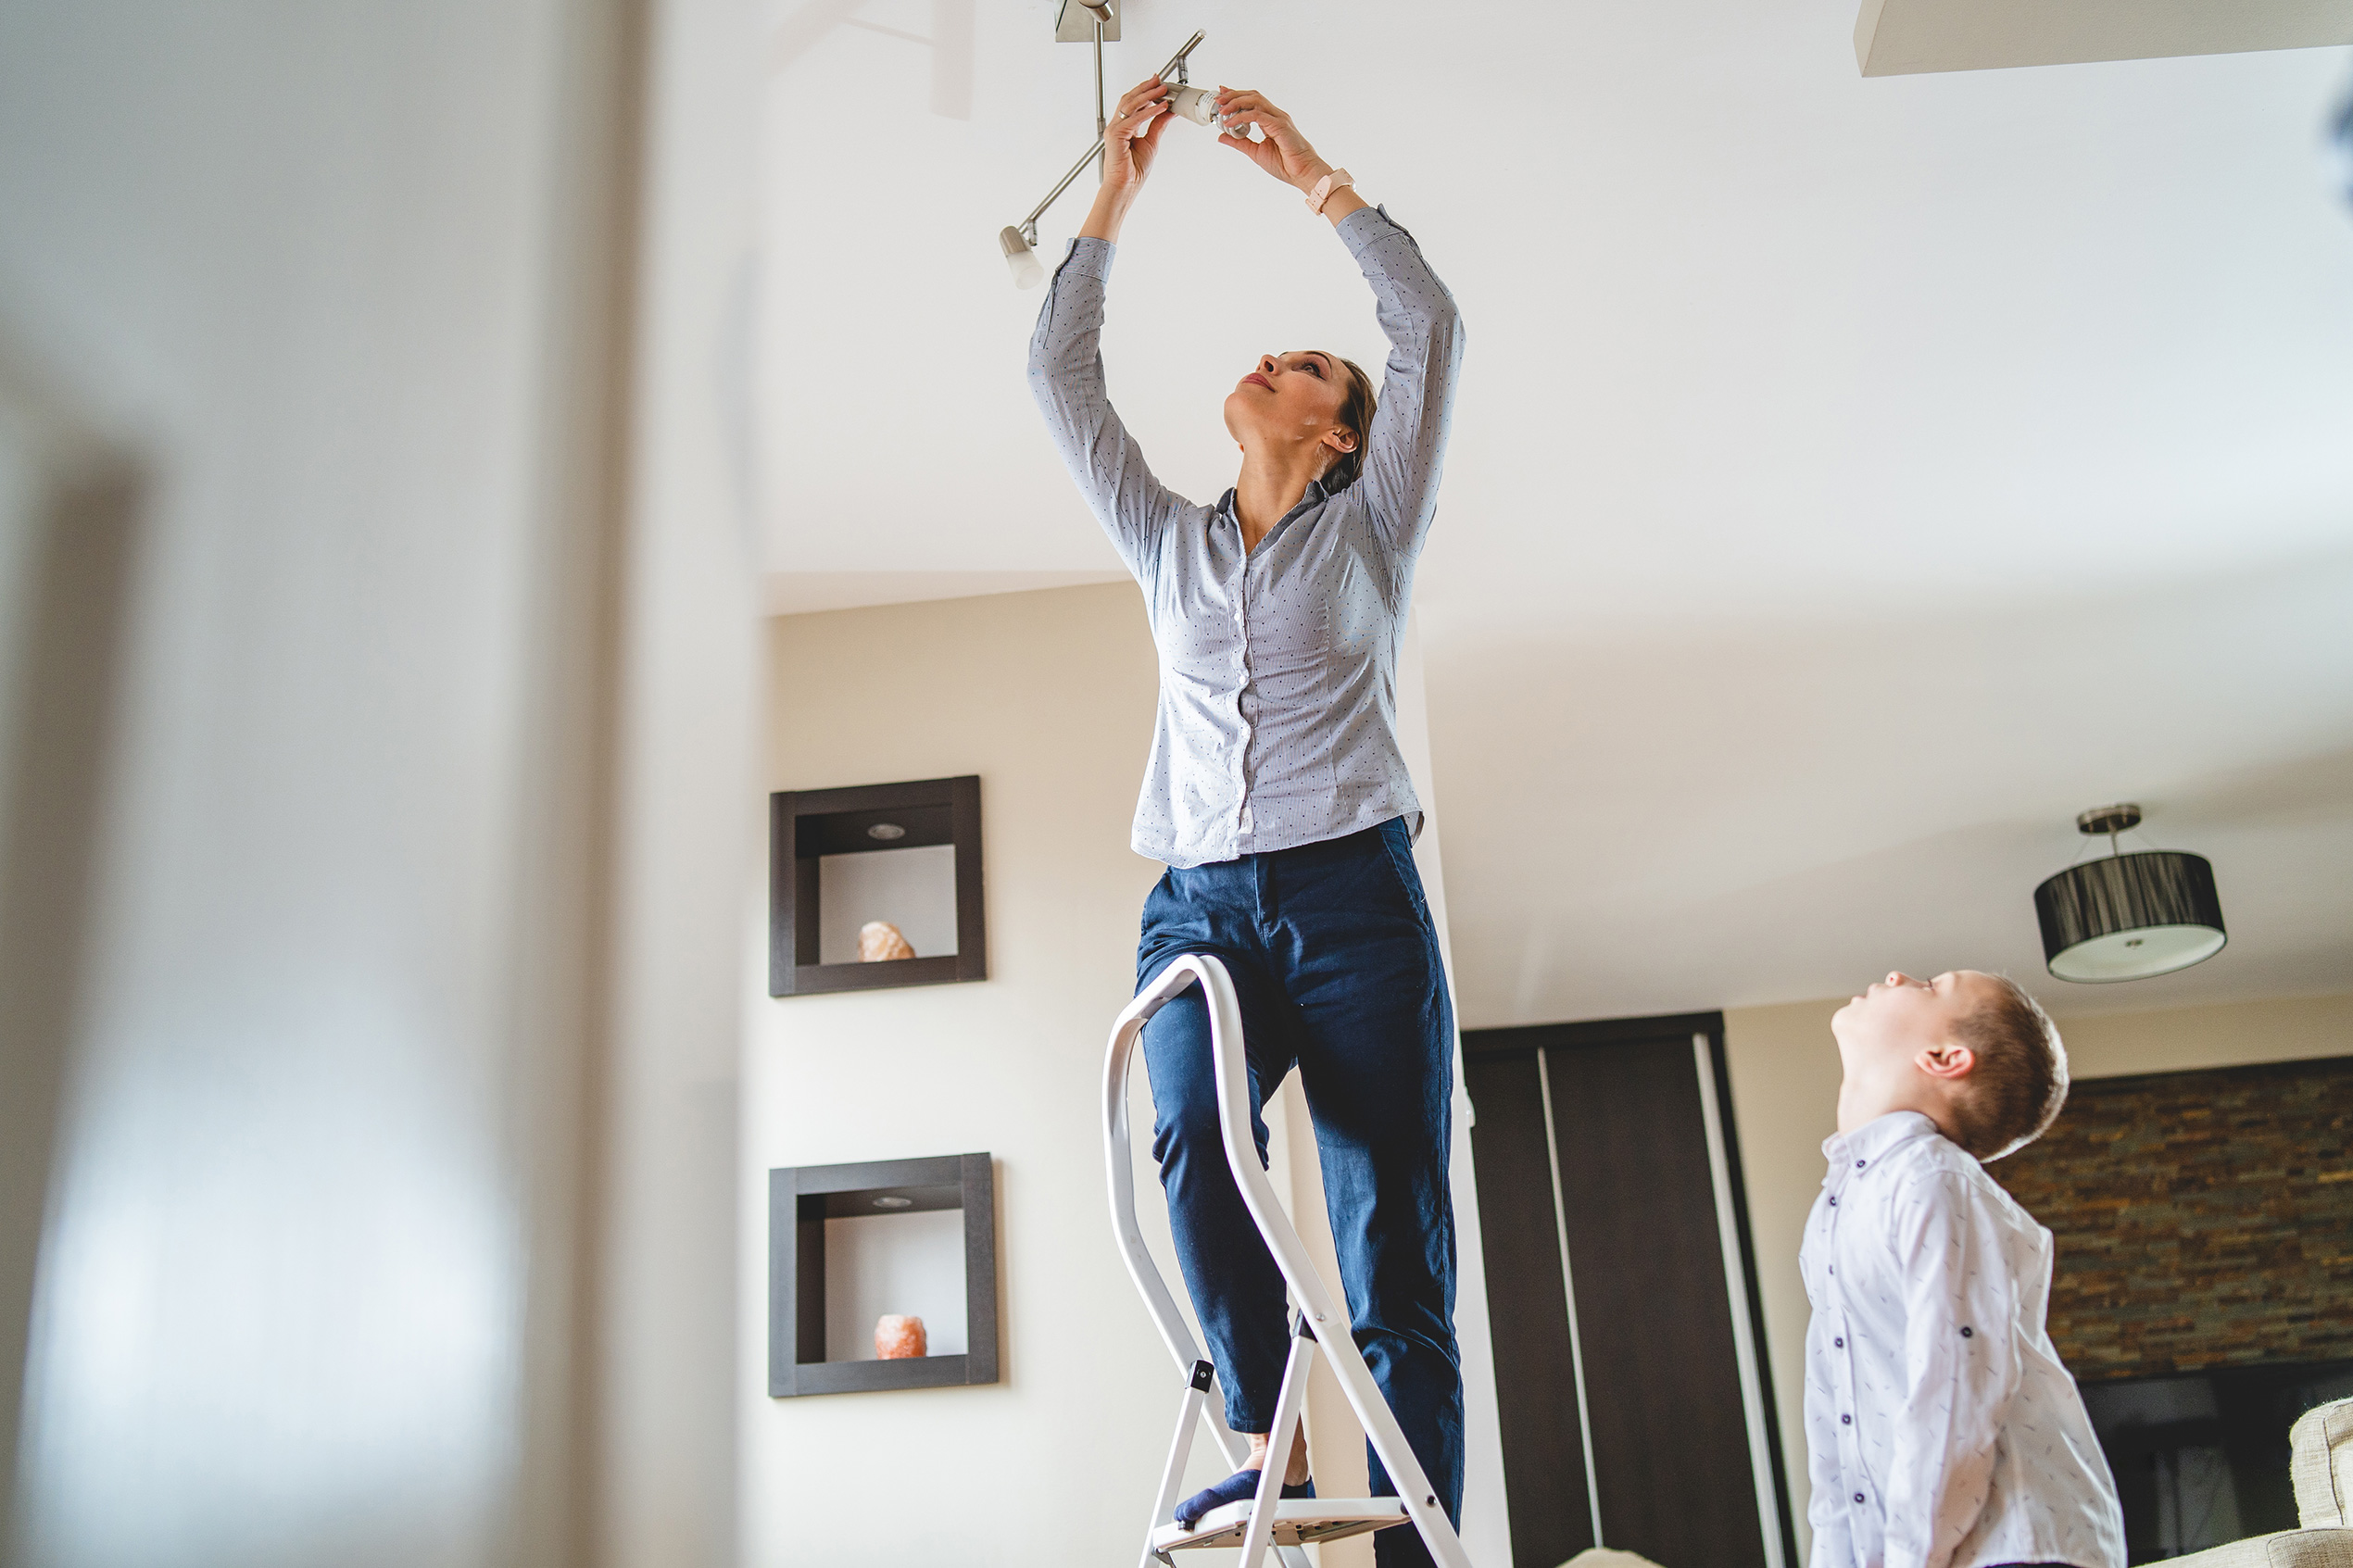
(2320, 1465)
(2289, 1549)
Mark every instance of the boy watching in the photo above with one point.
(1941, 1430)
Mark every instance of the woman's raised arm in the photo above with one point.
(1406, 447)
(1065, 357)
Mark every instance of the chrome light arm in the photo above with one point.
(1029, 226)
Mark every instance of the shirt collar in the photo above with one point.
(1875, 1139)
(1314, 496)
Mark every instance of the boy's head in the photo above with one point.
(1968, 1049)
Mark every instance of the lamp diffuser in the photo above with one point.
(2127, 917)
(1020, 258)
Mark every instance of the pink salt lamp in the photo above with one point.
(897, 1338)
(879, 942)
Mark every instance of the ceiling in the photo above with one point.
(1853, 479)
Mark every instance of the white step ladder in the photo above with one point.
(1255, 1523)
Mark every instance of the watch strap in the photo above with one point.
(1337, 179)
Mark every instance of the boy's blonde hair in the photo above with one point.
(2020, 1079)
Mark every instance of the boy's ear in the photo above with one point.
(1950, 1061)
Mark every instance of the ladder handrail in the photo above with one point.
(1174, 1331)
(1266, 1209)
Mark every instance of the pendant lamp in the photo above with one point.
(2128, 917)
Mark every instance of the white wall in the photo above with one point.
(1050, 697)
(1785, 1075)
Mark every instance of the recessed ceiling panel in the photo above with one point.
(1904, 37)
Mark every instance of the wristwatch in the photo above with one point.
(1337, 179)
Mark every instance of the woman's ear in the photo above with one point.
(1340, 439)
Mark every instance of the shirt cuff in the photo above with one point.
(1089, 258)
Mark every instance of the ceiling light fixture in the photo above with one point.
(2128, 917)
(885, 831)
(1099, 18)
(892, 1200)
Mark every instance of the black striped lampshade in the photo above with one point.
(2127, 917)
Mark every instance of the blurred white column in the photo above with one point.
(386, 1224)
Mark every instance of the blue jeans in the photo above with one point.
(1336, 966)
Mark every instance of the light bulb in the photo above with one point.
(1200, 106)
(1020, 258)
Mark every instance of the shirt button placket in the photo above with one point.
(1241, 678)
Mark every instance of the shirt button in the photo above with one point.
(1966, 1331)
(1846, 1421)
(1858, 1497)
(1833, 1203)
(1858, 1164)
(1838, 1344)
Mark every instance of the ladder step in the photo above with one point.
(1296, 1523)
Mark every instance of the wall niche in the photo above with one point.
(908, 854)
(847, 1243)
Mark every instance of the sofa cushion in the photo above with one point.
(2290, 1549)
(2320, 1464)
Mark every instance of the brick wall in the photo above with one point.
(2202, 1219)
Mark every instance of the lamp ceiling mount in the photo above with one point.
(2108, 820)
(1075, 23)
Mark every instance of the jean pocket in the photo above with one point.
(1397, 843)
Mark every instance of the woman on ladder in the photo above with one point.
(1279, 800)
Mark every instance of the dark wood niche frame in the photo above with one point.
(802, 1198)
(805, 824)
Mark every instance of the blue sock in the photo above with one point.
(1241, 1485)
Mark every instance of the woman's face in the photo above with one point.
(1290, 401)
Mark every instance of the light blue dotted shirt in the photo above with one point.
(1941, 1430)
(1278, 722)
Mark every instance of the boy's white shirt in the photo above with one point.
(1941, 1430)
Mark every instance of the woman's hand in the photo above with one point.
(1131, 140)
(1285, 154)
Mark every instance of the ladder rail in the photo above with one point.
(1332, 1325)
(1120, 1166)
(1180, 1447)
(1289, 1407)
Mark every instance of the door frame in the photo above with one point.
(1704, 1033)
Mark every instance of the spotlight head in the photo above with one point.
(1020, 258)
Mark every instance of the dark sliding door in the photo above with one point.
(1629, 1337)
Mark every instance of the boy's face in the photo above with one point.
(1900, 1026)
